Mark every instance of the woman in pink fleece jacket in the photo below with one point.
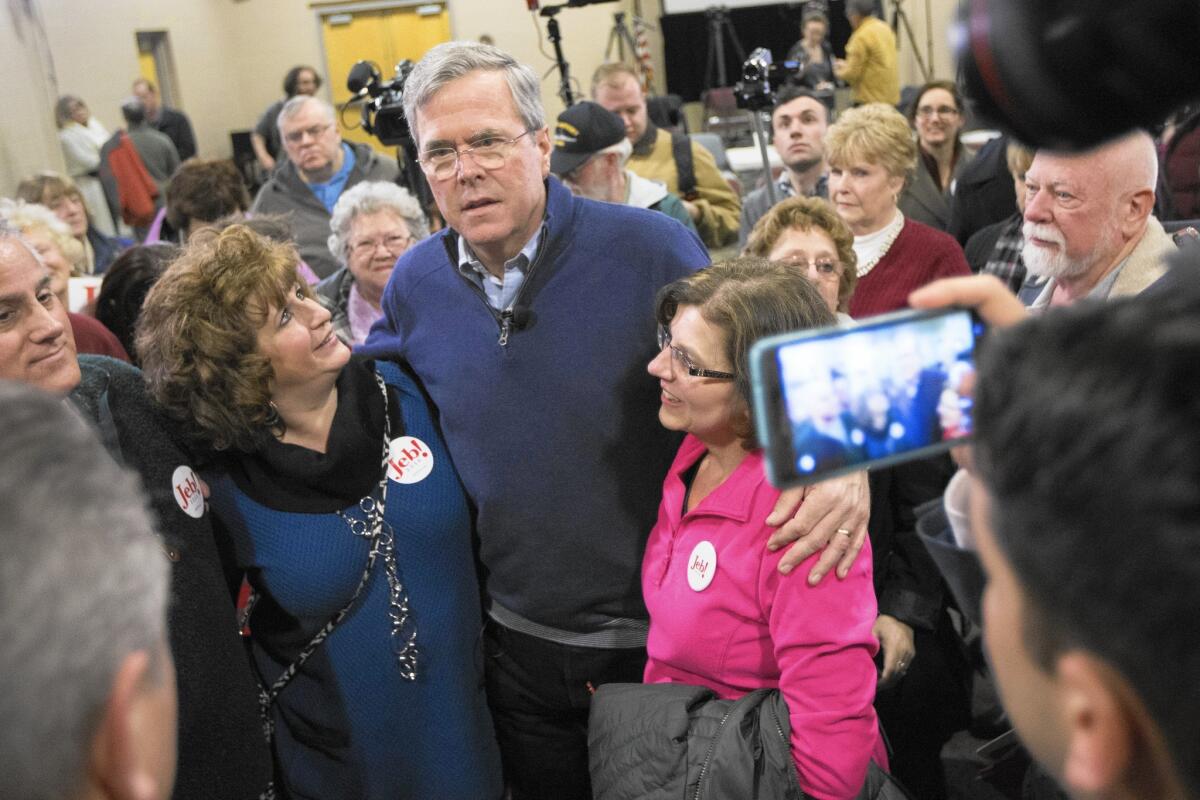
(721, 614)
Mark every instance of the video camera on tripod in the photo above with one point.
(756, 92)
(760, 76)
(383, 103)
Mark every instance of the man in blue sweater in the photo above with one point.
(530, 323)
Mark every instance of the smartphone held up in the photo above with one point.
(891, 389)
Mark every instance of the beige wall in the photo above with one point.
(28, 137)
(95, 49)
(941, 14)
(230, 57)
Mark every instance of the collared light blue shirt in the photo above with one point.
(501, 292)
(329, 191)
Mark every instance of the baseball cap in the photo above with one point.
(581, 131)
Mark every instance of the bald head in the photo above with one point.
(1085, 212)
(1130, 163)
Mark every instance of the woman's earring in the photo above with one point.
(274, 421)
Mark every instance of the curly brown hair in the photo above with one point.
(198, 335)
(806, 214)
(746, 298)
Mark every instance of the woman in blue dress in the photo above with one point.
(338, 502)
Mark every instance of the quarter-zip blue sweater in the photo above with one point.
(555, 432)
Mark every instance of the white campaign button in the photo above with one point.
(702, 566)
(409, 460)
(185, 486)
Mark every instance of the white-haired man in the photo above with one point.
(89, 703)
(319, 167)
(1089, 224)
(590, 152)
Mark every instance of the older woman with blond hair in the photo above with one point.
(61, 195)
(338, 501)
(807, 232)
(373, 224)
(871, 155)
(62, 256)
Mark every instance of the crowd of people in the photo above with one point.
(348, 497)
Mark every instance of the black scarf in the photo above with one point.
(288, 477)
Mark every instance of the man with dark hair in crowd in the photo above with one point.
(172, 122)
(798, 125)
(300, 80)
(1085, 508)
(203, 191)
(687, 168)
(89, 701)
(222, 752)
(530, 322)
(320, 166)
(590, 153)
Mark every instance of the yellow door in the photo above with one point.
(146, 66)
(386, 37)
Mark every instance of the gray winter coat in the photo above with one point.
(673, 740)
(285, 193)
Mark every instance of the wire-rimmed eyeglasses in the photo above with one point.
(682, 358)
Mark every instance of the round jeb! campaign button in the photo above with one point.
(702, 566)
(185, 486)
(409, 460)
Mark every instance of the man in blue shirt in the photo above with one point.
(319, 167)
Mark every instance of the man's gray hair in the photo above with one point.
(294, 106)
(449, 61)
(370, 197)
(83, 584)
(864, 8)
(9, 232)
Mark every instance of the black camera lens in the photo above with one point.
(1069, 74)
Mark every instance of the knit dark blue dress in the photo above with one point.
(349, 725)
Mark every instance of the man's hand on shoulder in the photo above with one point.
(831, 515)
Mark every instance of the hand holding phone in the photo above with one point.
(892, 389)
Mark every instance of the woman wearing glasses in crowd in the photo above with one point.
(937, 117)
(373, 224)
(922, 678)
(338, 501)
(806, 231)
(721, 615)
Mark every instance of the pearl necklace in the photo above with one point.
(892, 231)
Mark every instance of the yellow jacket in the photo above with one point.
(870, 66)
(720, 209)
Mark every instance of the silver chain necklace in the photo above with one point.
(375, 529)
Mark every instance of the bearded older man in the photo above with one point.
(1089, 226)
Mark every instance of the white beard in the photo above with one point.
(1047, 263)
